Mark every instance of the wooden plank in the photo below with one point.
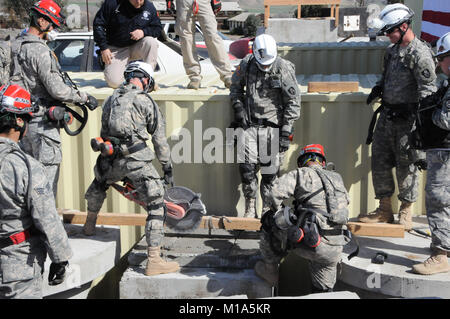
(116, 219)
(225, 222)
(376, 230)
(333, 86)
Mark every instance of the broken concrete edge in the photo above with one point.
(92, 258)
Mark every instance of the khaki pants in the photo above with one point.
(185, 29)
(145, 49)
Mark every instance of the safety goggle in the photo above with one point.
(312, 158)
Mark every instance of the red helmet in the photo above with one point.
(15, 99)
(309, 150)
(51, 10)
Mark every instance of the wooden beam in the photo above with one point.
(225, 222)
(376, 230)
(333, 86)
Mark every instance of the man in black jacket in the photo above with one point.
(126, 30)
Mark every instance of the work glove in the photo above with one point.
(285, 141)
(168, 175)
(216, 6)
(57, 273)
(91, 102)
(239, 115)
(170, 7)
(376, 92)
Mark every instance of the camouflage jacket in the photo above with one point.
(131, 115)
(22, 207)
(408, 73)
(306, 187)
(36, 68)
(273, 96)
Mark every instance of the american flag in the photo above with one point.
(435, 19)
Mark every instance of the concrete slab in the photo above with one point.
(192, 283)
(213, 264)
(394, 278)
(92, 257)
(326, 295)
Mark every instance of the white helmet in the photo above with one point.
(443, 45)
(139, 69)
(265, 49)
(393, 15)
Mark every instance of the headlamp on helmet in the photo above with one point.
(311, 152)
(140, 70)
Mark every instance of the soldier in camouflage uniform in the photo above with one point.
(128, 117)
(319, 194)
(408, 77)
(437, 145)
(266, 102)
(35, 67)
(29, 224)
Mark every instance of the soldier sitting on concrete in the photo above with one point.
(315, 229)
(30, 227)
(128, 117)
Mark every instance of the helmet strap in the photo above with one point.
(21, 126)
(402, 34)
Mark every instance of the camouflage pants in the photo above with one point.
(255, 154)
(147, 183)
(322, 260)
(391, 149)
(42, 141)
(437, 198)
(21, 269)
(24, 289)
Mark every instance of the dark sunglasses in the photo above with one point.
(390, 30)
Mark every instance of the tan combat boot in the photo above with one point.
(268, 272)
(156, 265)
(89, 225)
(405, 215)
(435, 264)
(194, 84)
(383, 214)
(250, 208)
